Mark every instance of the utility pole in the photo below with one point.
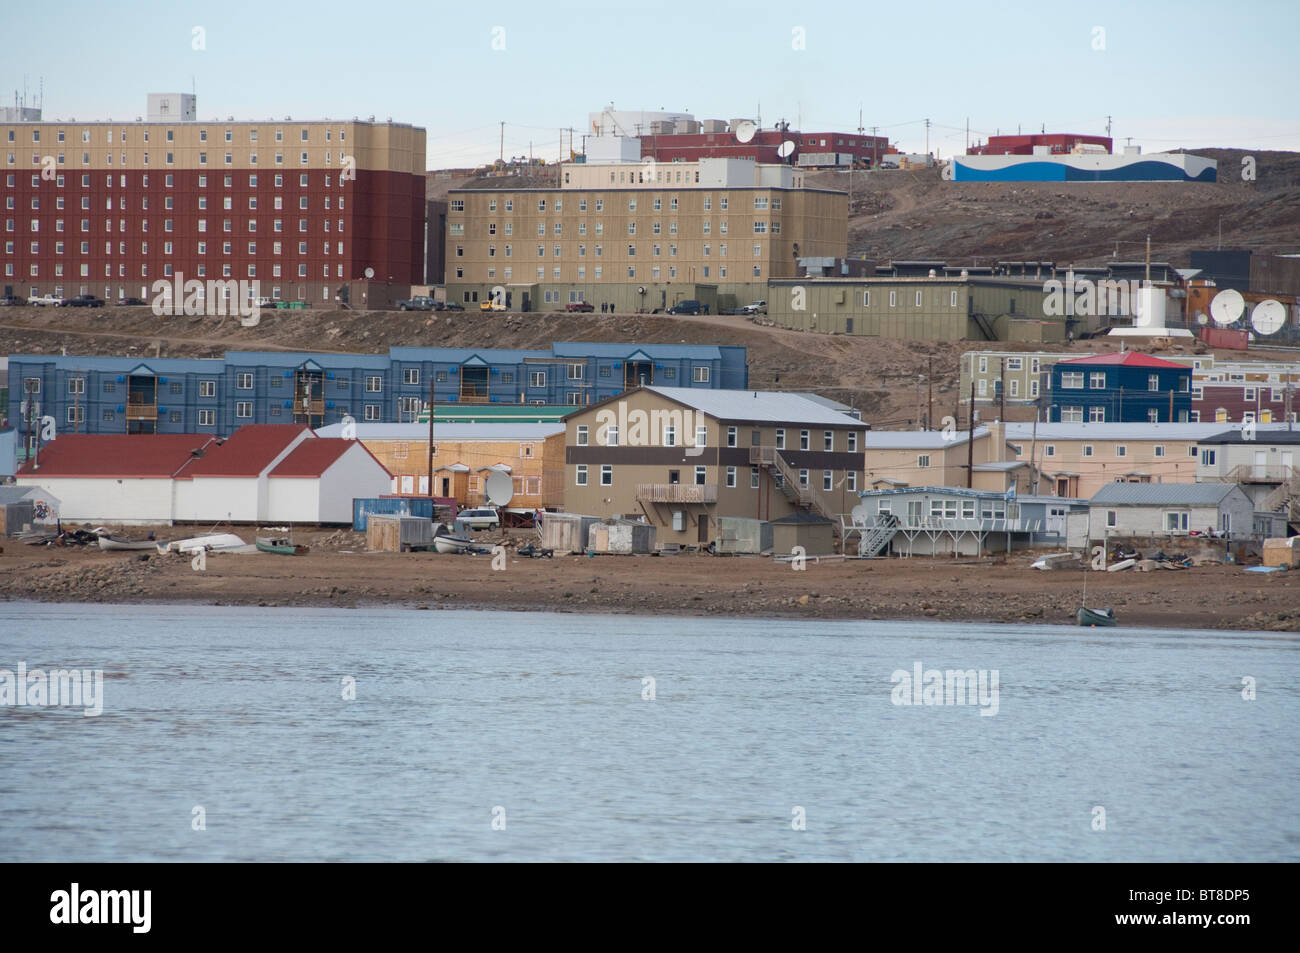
(430, 453)
(875, 151)
(970, 440)
(968, 135)
(1148, 275)
(1002, 388)
(501, 149)
(1107, 127)
(929, 394)
(927, 137)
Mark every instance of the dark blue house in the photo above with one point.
(1120, 388)
(218, 395)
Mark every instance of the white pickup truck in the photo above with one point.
(41, 301)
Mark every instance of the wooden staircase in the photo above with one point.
(786, 478)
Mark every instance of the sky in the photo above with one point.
(1168, 75)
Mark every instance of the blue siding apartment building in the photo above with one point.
(218, 395)
(1120, 388)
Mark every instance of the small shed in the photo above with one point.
(397, 534)
(567, 532)
(743, 535)
(627, 537)
(816, 534)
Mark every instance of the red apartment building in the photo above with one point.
(108, 208)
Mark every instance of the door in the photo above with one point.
(704, 528)
(1260, 465)
(1288, 462)
(914, 512)
(446, 486)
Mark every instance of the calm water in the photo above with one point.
(240, 711)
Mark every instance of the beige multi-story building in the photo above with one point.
(907, 458)
(638, 236)
(682, 457)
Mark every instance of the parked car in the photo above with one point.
(490, 305)
(40, 301)
(758, 307)
(129, 302)
(9, 301)
(689, 307)
(484, 517)
(452, 306)
(579, 306)
(265, 302)
(84, 301)
(418, 303)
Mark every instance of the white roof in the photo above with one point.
(918, 439)
(1129, 431)
(504, 432)
(758, 406)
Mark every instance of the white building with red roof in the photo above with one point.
(263, 473)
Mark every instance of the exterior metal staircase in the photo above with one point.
(787, 479)
(884, 528)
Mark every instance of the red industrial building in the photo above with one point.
(1060, 143)
(763, 147)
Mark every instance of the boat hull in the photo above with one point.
(280, 548)
(126, 545)
(452, 544)
(1092, 617)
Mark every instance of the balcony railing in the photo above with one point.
(677, 492)
(1260, 473)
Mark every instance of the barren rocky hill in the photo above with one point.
(915, 214)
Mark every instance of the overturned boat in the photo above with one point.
(212, 543)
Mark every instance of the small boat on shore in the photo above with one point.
(1096, 617)
(113, 544)
(447, 542)
(280, 547)
(213, 542)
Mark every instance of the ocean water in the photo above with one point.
(479, 735)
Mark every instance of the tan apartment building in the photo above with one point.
(682, 457)
(639, 236)
(942, 308)
(906, 458)
(465, 455)
(1078, 459)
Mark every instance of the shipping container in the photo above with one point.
(364, 507)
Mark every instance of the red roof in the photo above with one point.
(117, 456)
(1127, 359)
(246, 452)
(312, 458)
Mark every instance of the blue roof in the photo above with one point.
(459, 355)
(671, 352)
(297, 358)
(160, 365)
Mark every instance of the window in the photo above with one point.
(731, 477)
(1207, 458)
(1153, 415)
(1071, 415)
(207, 388)
(244, 381)
(828, 440)
(804, 439)
(780, 438)
(1112, 519)
(1087, 449)
(244, 408)
(731, 436)
(1049, 450)
(1121, 450)
(411, 375)
(701, 374)
(923, 460)
(537, 379)
(582, 435)
(207, 418)
(1159, 450)
(753, 478)
(1153, 382)
(1175, 522)
(580, 477)
(606, 475)
(1073, 380)
(1097, 415)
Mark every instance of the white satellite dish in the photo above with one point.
(859, 514)
(745, 131)
(1201, 318)
(1268, 317)
(369, 272)
(785, 148)
(499, 488)
(1227, 307)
